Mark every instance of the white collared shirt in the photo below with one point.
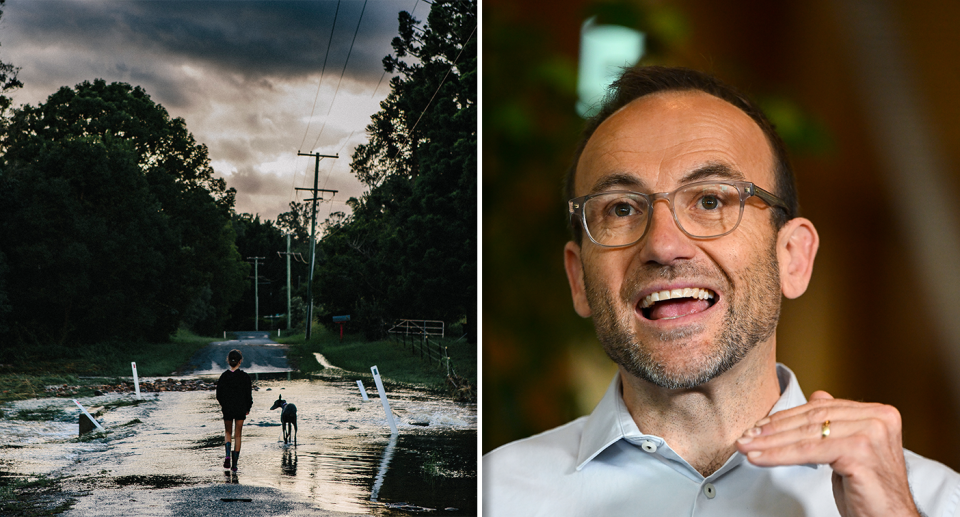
(603, 465)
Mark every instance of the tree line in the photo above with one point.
(408, 249)
(113, 226)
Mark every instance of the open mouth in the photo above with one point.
(676, 303)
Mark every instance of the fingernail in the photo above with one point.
(754, 431)
(763, 422)
(745, 440)
(754, 454)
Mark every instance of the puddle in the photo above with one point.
(345, 459)
(153, 481)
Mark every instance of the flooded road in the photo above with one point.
(260, 355)
(164, 455)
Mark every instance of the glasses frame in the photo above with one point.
(747, 189)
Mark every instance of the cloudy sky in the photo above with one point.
(245, 75)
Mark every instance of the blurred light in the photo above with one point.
(604, 51)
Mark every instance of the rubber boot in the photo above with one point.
(236, 456)
(226, 461)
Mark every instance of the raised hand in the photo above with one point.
(861, 442)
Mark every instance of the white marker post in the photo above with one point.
(94, 420)
(136, 379)
(383, 399)
(363, 391)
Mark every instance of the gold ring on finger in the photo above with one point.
(825, 429)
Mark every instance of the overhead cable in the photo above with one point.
(444, 79)
(317, 95)
(355, 32)
(327, 54)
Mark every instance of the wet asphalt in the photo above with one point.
(260, 355)
(224, 499)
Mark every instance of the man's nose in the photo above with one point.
(665, 242)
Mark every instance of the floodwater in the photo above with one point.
(345, 459)
(260, 355)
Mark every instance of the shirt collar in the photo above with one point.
(611, 422)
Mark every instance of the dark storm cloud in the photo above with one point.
(243, 74)
(255, 39)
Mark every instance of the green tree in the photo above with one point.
(296, 222)
(201, 273)
(8, 78)
(256, 238)
(83, 235)
(359, 265)
(409, 248)
(8, 83)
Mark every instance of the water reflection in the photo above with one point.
(288, 463)
(346, 459)
(384, 465)
(436, 471)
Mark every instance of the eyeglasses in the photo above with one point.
(702, 210)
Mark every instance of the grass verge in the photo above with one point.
(40, 496)
(113, 358)
(395, 362)
(19, 386)
(30, 373)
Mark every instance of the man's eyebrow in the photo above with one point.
(712, 170)
(617, 180)
(620, 180)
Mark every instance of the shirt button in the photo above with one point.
(648, 446)
(710, 491)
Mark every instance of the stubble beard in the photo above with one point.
(751, 318)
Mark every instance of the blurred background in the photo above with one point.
(865, 93)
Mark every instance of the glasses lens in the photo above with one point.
(616, 218)
(708, 209)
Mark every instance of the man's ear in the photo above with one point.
(797, 245)
(574, 267)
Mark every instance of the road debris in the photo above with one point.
(156, 385)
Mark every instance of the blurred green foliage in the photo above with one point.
(530, 128)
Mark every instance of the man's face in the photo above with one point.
(657, 144)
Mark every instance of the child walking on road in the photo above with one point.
(235, 395)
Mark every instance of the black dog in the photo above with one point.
(288, 418)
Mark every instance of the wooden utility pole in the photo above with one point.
(256, 291)
(313, 228)
(288, 254)
(288, 283)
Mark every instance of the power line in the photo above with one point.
(256, 291)
(444, 79)
(373, 94)
(336, 14)
(384, 74)
(337, 90)
(327, 54)
(355, 32)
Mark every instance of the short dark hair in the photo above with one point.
(640, 81)
(234, 357)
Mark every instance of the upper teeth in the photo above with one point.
(688, 292)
